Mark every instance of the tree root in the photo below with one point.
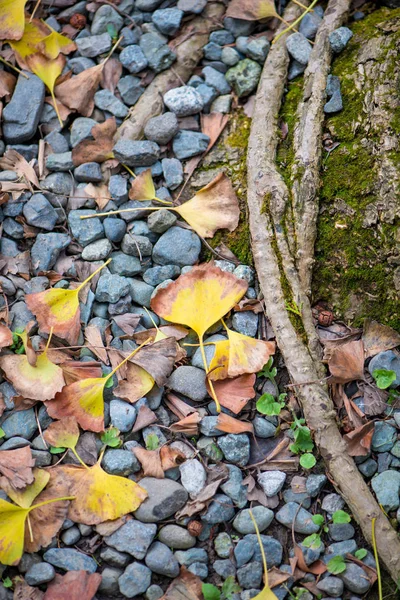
(189, 50)
(269, 203)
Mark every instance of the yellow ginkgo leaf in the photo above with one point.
(199, 298)
(48, 70)
(99, 496)
(62, 434)
(239, 354)
(137, 384)
(58, 309)
(252, 10)
(213, 207)
(12, 19)
(38, 37)
(25, 497)
(12, 529)
(39, 382)
(55, 43)
(266, 593)
(143, 187)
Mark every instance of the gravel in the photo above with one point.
(189, 143)
(176, 537)
(134, 538)
(183, 101)
(69, 559)
(299, 48)
(165, 497)
(22, 113)
(244, 524)
(271, 482)
(136, 153)
(303, 523)
(162, 129)
(161, 560)
(177, 246)
(340, 38)
(244, 77)
(135, 580)
(190, 382)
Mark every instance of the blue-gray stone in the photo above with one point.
(272, 548)
(212, 51)
(314, 484)
(21, 423)
(244, 76)
(109, 581)
(396, 450)
(122, 415)
(335, 104)
(224, 568)
(38, 212)
(13, 229)
(177, 246)
(161, 560)
(189, 381)
(263, 428)
(161, 220)
(120, 462)
(104, 17)
(271, 482)
(133, 537)
(340, 38)
(165, 497)
(162, 129)
(192, 6)
(354, 579)
(21, 115)
(136, 153)
(94, 45)
(368, 468)
(234, 487)
(60, 161)
(250, 575)
(208, 426)
(105, 100)
(124, 265)
(156, 275)
(79, 64)
(89, 172)
(173, 172)
(193, 555)
(113, 557)
(130, 89)
(167, 20)
(386, 486)
(136, 245)
(295, 69)
(332, 502)
(222, 37)
(244, 524)
(118, 188)
(258, 49)
(40, 573)
(236, 448)
(299, 47)
(114, 229)
(339, 549)
(339, 532)
(384, 438)
(312, 554)
(71, 536)
(300, 498)
(154, 592)
(81, 130)
(332, 586)
(134, 214)
(189, 143)
(97, 250)
(141, 292)
(389, 361)
(230, 56)
(183, 101)
(135, 580)
(309, 26)
(384, 461)
(69, 559)
(85, 231)
(238, 26)
(223, 545)
(176, 537)
(220, 510)
(159, 55)
(57, 141)
(244, 552)
(303, 523)
(199, 569)
(246, 323)
(208, 94)
(216, 80)
(20, 316)
(110, 288)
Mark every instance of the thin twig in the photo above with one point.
(40, 428)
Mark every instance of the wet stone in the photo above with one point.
(219, 510)
(39, 574)
(190, 382)
(21, 115)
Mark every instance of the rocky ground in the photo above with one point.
(45, 244)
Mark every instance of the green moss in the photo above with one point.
(351, 271)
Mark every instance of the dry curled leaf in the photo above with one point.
(215, 477)
(16, 465)
(6, 336)
(62, 434)
(186, 586)
(346, 362)
(13, 161)
(99, 149)
(78, 92)
(251, 10)
(234, 393)
(95, 343)
(23, 591)
(358, 442)
(231, 425)
(145, 417)
(76, 370)
(378, 338)
(7, 85)
(128, 323)
(157, 359)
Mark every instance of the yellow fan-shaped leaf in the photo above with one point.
(82, 400)
(213, 207)
(55, 43)
(58, 309)
(40, 38)
(199, 298)
(39, 382)
(143, 187)
(251, 10)
(99, 496)
(12, 528)
(239, 354)
(137, 384)
(47, 69)
(25, 497)
(12, 19)
(62, 434)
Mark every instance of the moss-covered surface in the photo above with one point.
(352, 271)
(230, 156)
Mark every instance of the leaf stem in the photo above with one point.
(378, 569)
(29, 527)
(48, 340)
(264, 560)
(129, 170)
(117, 212)
(78, 289)
(56, 108)
(19, 71)
(51, 501)
(308, 9)
(79, 458)
(117, 43)
(126, 359)
(213, 394)
(168, 202)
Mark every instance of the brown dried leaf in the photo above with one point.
(215, 477)
(150, 461)
(176, 331)
(100, 148)
(145, 417)
(234, 393)
(95, 343)
(16, 466)
(171, 457)
(100, 193)
(378, 338)
(23, 591)
(78, 92)
(375, 400)
(232, 425)
(157, 359)
(76, 370)
(277, 577)
(256, 306)
(74, 585)
(7, 85)
(127, 322)
(359, 441)
(187, 425)
(13, 161)
(317, 567)
(6, 336)
(346, 362)
(111, 74)
(251, 10)
(184, 587)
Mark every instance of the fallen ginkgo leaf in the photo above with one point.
(16, 466)
(252, 10)
(12, 19)
(98, 149)
(62, 434)
(74, 585)
(59, 309)
(235, 393)
(6, 336)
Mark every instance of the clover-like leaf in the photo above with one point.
(99, 496)
(58, 309)
(12, 19)
(239, 354)
(38, 382)
(341, 516)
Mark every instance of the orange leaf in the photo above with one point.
(231, 425)
(100, 148)
(62, 434)
(346, 362)
(95, 343)
(75, 370)
(150, 461)
(358, 442)
(145, 417)
(378, 338)
(188, 425)
(157, 359)
(6, 336)
(78, 92)
(317, 567)
(74, 585)
(138, 383)
(234, 393)
(239, 354)
(176, 331)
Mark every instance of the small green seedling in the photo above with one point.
(110, 437)
(361, 553)
(267, 405)
(341, 516)
(152, 442)
(229, 587)
(336, 565)
(384, 378)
